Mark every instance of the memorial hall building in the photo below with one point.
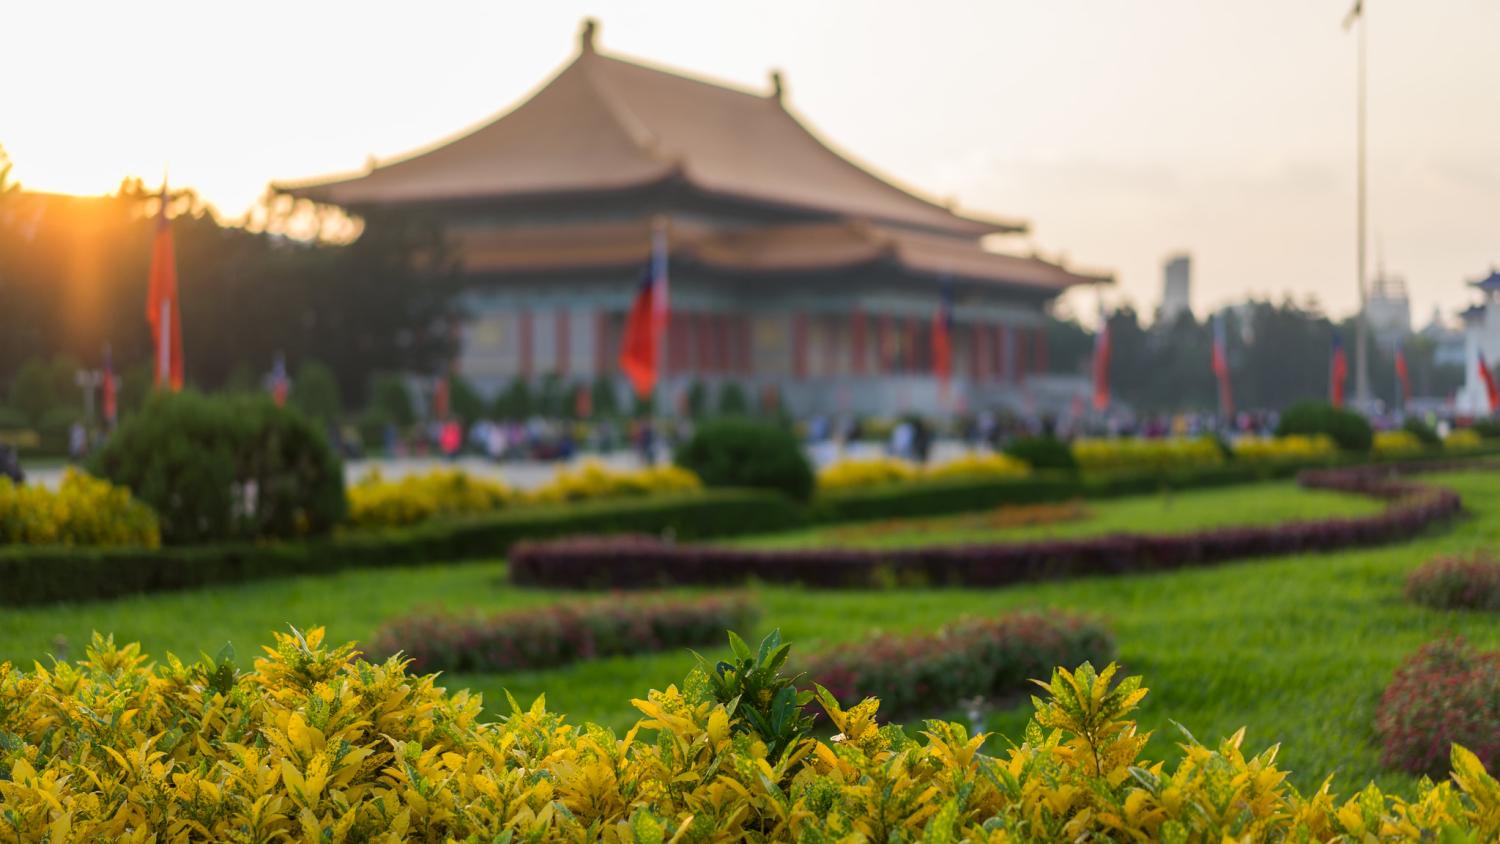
(791, 267)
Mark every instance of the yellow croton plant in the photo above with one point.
(315, 744)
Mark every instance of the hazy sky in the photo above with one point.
(1123, 129)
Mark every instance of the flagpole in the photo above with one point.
(1361, 326)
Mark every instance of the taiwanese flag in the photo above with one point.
(1403, 375)
(942, 339)
(1488, 377)
(162, 309)
(1221, 366)
(1338, 373)
(111, 398)
(281, 385)
(1101, 363)
(646, 325)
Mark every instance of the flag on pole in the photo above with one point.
(281, 385)
(1101, 362)
(162, 309)
(1490, 389)
(1221, 367)
(110, 401)
(1338, 372)
(440, 398)
(646, 325)
(1403, 375)
(942, 339)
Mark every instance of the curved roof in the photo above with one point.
(604, 123)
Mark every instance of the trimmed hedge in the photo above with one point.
(640, 562)
(545, 637)
(1349, 429)
(1457, 583)
(48, 574)
(975, 657)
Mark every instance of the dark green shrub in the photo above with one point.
(738, 452)
(1347, 428)
(315, 392)
(1424, 432)
(389, 395)
(732, 400)
(1487, 428)
(1044, 452)
(464, 401)
(233, 467)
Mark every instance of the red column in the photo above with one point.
(524, 338)
(562, 335)
(857, 343)
(799, 345)
(705, 362)
(911, 350)
(1041, 349)
(743, 348)
(977, 352)
(1023, 353)
(1001, 344)
(601, 335)
(677, 342)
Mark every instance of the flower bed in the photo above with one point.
(865, 472)
(1388, 444)
(1452, 583)
(546, 637)
(83, 510)
(1445, 693)
(592, 480)
(377, 502)
(315, 744)
(641, 561)
(1001, 518)
(1293, 448)
(1129, 454)
(970, 658)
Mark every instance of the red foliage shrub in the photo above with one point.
(1445, 693)
(1454, 583)
(970, 658)
(559, 634)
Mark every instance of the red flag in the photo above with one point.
(1101, 363)
(281, 385)
(111, 400)
(162, 309)
(942, 340)
(1221, 367)
(646, 324)
(1402, 374)
(440, 398)
(1339, 372)
(1490, 389)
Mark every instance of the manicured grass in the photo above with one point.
(1297, 649)
(1167, 512)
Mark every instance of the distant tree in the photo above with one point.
(465, 401)
(606, 400)
(516, 403)
(732, 400)
(1069, 346)
(315, 392)
(391, 399)
(552, 397)
(697, 399)
(41, 386)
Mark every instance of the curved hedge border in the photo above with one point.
(546, 637)
(639, 561)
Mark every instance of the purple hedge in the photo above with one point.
(562, 633)
(633, 562)
(982, 657)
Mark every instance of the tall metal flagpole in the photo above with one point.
(1361, 325)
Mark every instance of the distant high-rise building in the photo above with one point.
(1388, 310)
(1177, 281)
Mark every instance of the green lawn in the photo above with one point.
(1175, 512)
(1297, 649)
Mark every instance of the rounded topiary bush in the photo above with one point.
(217, 468)
(1043, 453)
(1351, 431)
(1444, 694)
(1425, 433)
(1457, 583)
(737, 452)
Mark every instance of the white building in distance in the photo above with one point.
(1177, 281)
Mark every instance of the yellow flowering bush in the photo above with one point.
(593, 479)
(315, 744)
(979, 466)
(1463, 439)
(1397, 444)
(1293, 448)
(860, 472)
(1146, 455)
(377, 502)
(84, 510)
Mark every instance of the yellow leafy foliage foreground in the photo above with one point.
(83, 510)
(315, 744)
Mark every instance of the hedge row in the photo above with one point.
(979, 657)
(642, 561)
(45, 574)
(545, 637)
(316, 744)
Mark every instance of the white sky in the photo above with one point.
(1123, 129)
